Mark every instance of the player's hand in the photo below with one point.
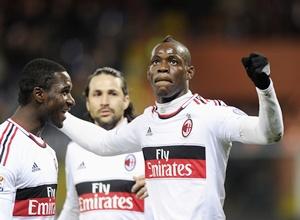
(140, 187)
(258, 69)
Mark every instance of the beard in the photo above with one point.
(107, 125)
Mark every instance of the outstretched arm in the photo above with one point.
(98, 140)
(267, 128)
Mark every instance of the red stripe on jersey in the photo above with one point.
(35, 207)
(41, 143)
(175, 168)
(197, 101)
(170, 115)
(8, 146)
(8, 124)
(3, 140)
(110, 201)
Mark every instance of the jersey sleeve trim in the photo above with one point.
(5, 142)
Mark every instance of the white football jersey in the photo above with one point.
(186, 145)
(100, 187)
(28, 175)
(186, 153)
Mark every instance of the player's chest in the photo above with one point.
(37, 167)
(93, 167)
(185, 128)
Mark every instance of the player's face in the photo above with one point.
(59, 99)
(106, 101)
(168, 72)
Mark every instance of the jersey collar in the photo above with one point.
(38, 140)
(170, 109)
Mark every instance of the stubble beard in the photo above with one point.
(107, 125)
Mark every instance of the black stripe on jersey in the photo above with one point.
(115, 186)
(43, 191)
(174, 152)
(204, 101)
(4, 143)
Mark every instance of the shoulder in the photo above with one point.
(149, 110)
(13, 144)
(8, 132)
(208, 102)
(51, 150)
(216, 107)
(208, 106)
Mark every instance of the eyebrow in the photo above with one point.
(69, 87)
(109, 90)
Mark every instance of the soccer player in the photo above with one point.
(28, 165)
(185, 138)
(105, 187)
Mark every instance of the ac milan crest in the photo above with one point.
(187, 127)
(130, 162)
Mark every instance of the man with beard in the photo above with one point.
(105, 187)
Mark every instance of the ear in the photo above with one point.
(126, 102)
(39, 94)
(87, 105)
(190, 72)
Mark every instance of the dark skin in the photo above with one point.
(46, 105)
(169, 71)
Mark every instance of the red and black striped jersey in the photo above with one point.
(28, 174)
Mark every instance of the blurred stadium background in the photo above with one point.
(262, 183)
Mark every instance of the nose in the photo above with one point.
(164, 67)
(70, 100)
(104, 99)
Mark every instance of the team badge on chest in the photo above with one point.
(130, 162)
(187, 127)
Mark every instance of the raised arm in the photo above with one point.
(100, 141)
(267, 128)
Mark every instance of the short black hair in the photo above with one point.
(187, 54)
(169, 38)
(37, 73)
(129, 112)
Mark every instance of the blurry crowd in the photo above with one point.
(85, 34)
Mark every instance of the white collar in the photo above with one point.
(168, 110)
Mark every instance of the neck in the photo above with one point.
(171, 98)
(27, 118)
